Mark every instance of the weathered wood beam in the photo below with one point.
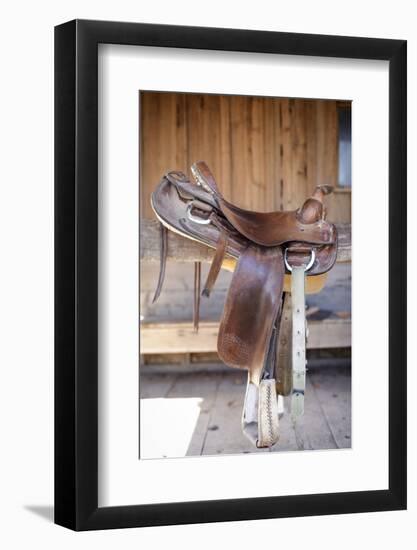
(186, 250)
(181, 338)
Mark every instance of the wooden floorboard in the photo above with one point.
(154, 385)
(333, 390)
(224, 435)
(325, 425)
(312, 430)
(206, 388)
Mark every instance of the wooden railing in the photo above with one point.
(186, 250)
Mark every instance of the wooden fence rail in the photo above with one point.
(162, 338)
(186, 250)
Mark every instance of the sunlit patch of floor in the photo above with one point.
(167, 426)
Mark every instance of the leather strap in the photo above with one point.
(197, 286)
(298, 341)
(216, 264)
(283, 362)
(163, 260)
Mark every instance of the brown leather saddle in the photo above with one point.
(258, 321)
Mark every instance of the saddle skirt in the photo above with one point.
(252, 333)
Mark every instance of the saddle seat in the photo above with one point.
(307, 224)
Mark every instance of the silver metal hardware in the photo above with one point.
(194, 219)
(307, 267)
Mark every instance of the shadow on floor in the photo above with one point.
(45, 512)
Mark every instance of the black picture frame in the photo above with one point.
(76, 272)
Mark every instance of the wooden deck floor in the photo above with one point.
(199, 414)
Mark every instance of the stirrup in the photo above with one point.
(260, 415)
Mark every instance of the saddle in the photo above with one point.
(263, 328)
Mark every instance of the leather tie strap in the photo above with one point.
(163, 261)
(216, 264)
(197, 286)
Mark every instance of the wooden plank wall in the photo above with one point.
(266, 153)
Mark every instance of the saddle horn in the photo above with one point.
(313, 208)
(322, 190)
